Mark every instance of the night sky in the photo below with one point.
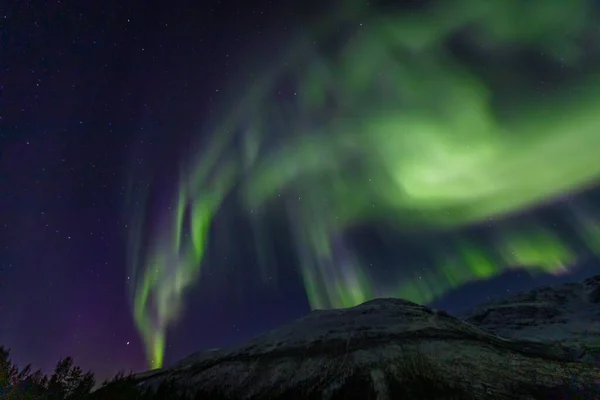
(99, 104)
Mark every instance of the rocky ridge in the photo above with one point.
(506, 349)
(567, 315)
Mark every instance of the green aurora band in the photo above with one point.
(394, 128)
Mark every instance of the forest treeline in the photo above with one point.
(69, 382)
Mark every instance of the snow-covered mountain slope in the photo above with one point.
(369, 351)
(568, 314)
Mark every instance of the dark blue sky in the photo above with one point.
(87, 90)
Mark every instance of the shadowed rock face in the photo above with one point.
(568, 315)
(592, 289)
(380, 348)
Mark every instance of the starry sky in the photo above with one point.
(111, 114)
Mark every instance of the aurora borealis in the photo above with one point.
(388, 123)
(177, 177)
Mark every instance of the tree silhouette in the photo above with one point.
(8, 372)
(19, 384)
(68, 381)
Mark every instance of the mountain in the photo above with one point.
(528, 346)
(567, 314)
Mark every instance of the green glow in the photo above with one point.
(393, 128)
